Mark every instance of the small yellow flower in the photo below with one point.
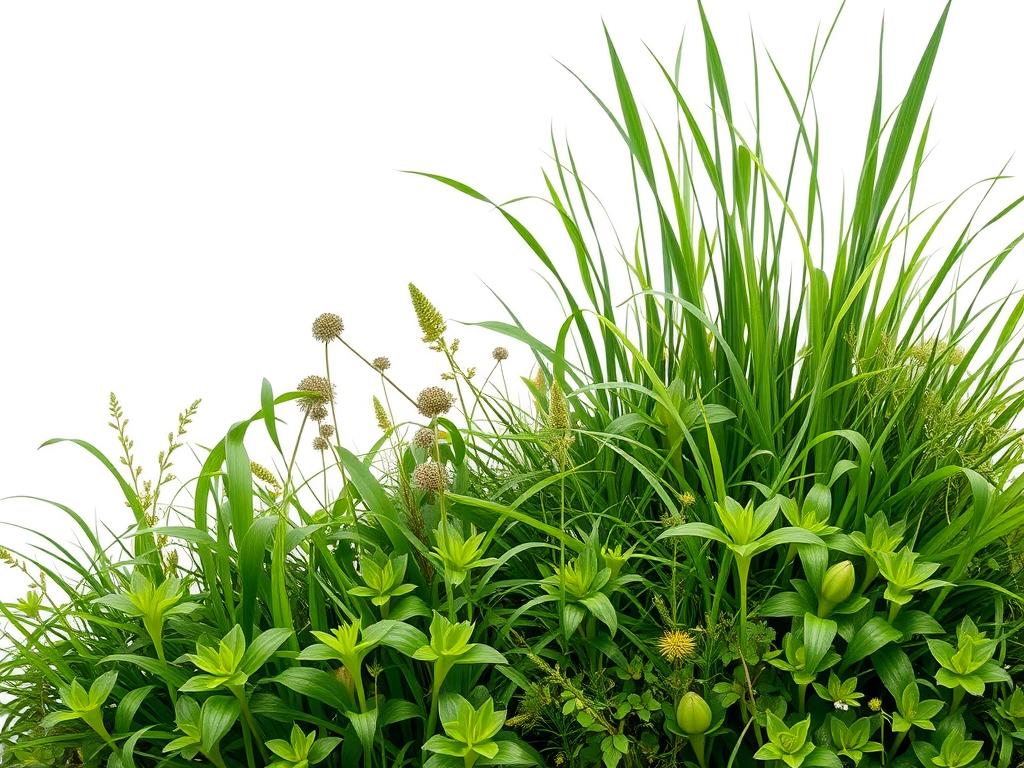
(875, 704)
(676, 644)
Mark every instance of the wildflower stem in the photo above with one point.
(383, 375)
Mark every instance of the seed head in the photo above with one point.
(558, 407)
(321, 393)
(875, 704)
(264, 474)
(500, 353)
(424, 438)
(327, 327)
(687, 499)
(382, 415)
(320, 444)
(433, 401)
(381, 363)
(676, 645)
(326, 431)
(318, 412)
(430, 476)
(431, 321)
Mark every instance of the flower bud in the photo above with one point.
(836, 586)
(693, 715)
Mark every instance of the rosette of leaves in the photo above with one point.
(471, 737)
(950, 747)
(301, 750)
(154, 604)
(350, 644)
(879, 537)
(968, 667)
(203, 727)
(85, 705)
(914, 713)
(232, 662)
(853, 740)
(744, 530)
(791, 745)
(905, 577)
(585, 584)
(449, 646)
(842, 694)
(383, 579)
(458, 555)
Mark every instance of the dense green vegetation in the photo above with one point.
(746, 512)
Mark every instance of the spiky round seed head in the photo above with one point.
(424, 438)
(321, 393)
(383, 420)
(687, 499)
(430, 476)
(326, 431)
(320, 444)
(433, 401)
(875, 704)
(429, 318)
(676, 645)
(318, 412)
(381, 363)
(327, 327)
(500, 353)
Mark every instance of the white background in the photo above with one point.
(184, 186)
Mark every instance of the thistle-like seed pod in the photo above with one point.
(318, 412)
(327, 327)
(382, 415)
(430, 476)
(431, 321)
(433, 401)
(320, 444)
(500, 353)
(321, 393)
(381, 363)
(424, 438)
(326, 431)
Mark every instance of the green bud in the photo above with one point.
(693, 715)
(836, 586)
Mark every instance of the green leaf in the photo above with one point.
(262, 648)
(875, 633)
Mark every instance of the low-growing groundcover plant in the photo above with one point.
(735, 518)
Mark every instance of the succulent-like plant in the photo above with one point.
(85, 705)
(384, 580)
(301, 750)
(968, 667)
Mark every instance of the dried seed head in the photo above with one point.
(326, 431)
(327, 327)
(500, 353)
(433, 401)
(431, 321)
(318, 412)
(381, 363)
(320, 444)
(430, 476)
(382, 415)
(264, 474)
(425, 439)
(321, 393)
(676, 645)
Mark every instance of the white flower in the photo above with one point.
(842, 706)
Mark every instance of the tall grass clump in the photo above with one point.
(759, 502)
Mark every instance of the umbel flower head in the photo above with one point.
(320, 443)
(430, 476)
(676, 645)
(318, 412)
(326, 431)
(381, 363)
(500, 353)
(424, 438)
(433, 401)
(431, 322)
(321, 392)
(327, 327)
